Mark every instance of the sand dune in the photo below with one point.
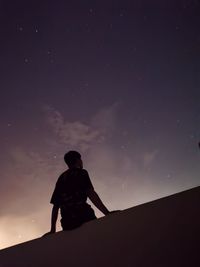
(164, 233)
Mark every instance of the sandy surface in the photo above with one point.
(162, 233)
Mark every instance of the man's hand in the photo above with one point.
(49, 233)
(93, 196)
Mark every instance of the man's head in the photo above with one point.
(73, 159)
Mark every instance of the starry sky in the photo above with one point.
(118, 81)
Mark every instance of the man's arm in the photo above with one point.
(93, 196)
(54, 217)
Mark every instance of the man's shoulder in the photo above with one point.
(78, 171)
(62, 176)
(84, 171)
(72, 173)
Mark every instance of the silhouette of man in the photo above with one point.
(70, 195)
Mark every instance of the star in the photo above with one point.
(191, 136)
(91, 11)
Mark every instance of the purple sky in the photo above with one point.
(118, 82)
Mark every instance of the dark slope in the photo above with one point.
(164, 233)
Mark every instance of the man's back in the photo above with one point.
(70, 195)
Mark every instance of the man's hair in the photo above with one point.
(71, 157)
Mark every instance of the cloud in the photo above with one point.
(76, 134)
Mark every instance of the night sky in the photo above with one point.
(118, 81)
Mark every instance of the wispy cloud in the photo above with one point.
(77, 134)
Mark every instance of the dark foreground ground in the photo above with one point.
(163, 233)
